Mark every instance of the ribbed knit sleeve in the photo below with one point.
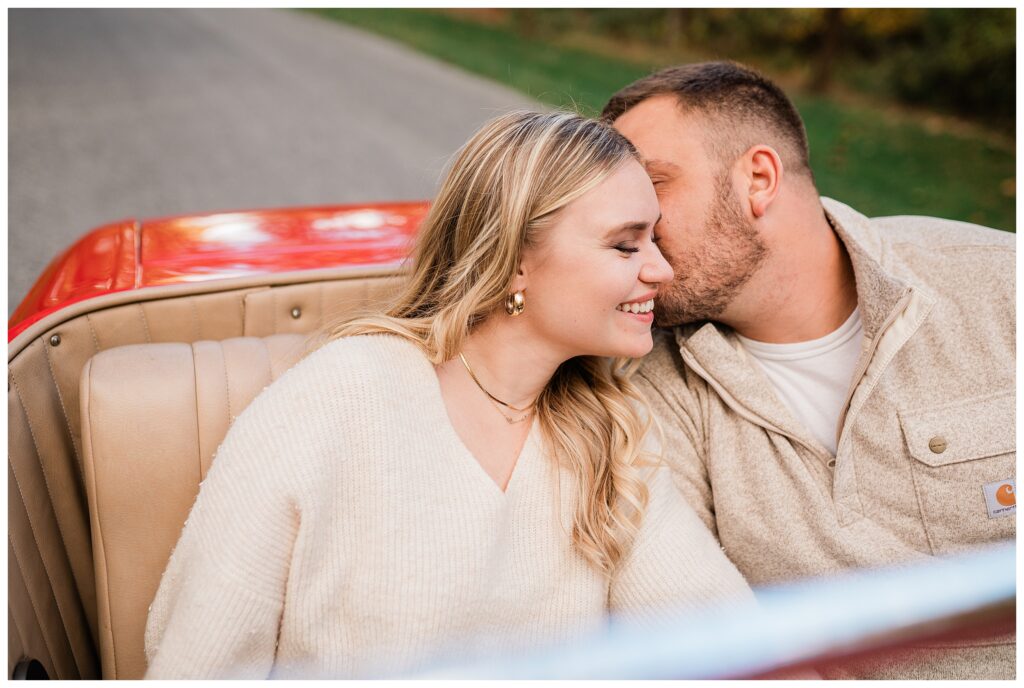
(217, 610)
(675, 564)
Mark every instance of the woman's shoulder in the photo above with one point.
(367, 358)
(348, 371)
(351, 382)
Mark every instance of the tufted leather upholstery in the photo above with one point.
(52, 607)
(153, 416)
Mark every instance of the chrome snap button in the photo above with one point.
(55, 340)
(937, 445)
(296, 312)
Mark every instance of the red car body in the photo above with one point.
(133, 254)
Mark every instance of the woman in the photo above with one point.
(466, 469)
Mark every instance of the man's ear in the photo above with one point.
(762, 169)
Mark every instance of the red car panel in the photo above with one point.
(192, 248)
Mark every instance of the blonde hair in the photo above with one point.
(505, 186)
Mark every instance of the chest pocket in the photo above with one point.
(958, 449)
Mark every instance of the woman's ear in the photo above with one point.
(519, 282)
(763, 172)
(528, 260)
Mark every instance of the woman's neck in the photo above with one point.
(509, 362)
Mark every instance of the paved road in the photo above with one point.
(141, 113)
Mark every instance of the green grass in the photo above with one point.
(880, 164)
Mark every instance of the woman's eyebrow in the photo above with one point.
(632, 225)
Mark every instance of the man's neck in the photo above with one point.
(806, 291)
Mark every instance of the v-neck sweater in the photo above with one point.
(345, 531)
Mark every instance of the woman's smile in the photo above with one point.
(641, 309)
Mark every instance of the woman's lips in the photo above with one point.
(642, 317)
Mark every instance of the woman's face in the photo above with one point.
(591, 281)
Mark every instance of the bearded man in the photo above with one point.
(836, 391)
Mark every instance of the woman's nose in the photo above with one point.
(656, 269)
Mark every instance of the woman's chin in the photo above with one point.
(637, 349)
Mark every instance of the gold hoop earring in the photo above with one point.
(515, 303)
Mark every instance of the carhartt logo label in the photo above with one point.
(1000, 498)
(1004, 495)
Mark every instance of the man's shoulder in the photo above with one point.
(664, 359)
(939, 234)
(663, 368)
(922, 231)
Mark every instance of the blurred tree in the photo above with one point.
(964, 61)
(960, 61)
(677, 26)
(830, 45)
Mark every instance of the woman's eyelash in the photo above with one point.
(627, 249)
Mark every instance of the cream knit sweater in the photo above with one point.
(344, 530)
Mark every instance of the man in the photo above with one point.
(837, 391)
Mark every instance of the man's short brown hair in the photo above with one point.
(742, 107)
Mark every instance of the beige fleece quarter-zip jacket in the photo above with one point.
(926, 442)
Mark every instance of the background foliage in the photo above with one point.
(877, 108)
(960, 61)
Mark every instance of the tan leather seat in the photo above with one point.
(152, 417)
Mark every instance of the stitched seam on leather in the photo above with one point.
(14, 619)
(273, 308)
(195, 320)
(64, 411)
(46, 569)
(145, 323)
(49, 495)
(270, 367)
(92, 331)
(320, 292)
(228, 285)
(199, 434)
(227, 382)
(241, 307)
(99, 533)
(39, 618)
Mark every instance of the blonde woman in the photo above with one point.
(465, 472)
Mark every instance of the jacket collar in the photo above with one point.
(721, 360)
(879, 286)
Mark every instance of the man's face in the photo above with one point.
(704, 234)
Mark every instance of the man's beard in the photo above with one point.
(708, 278)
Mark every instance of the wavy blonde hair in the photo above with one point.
(504, 188)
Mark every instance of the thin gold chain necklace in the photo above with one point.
(495, 400)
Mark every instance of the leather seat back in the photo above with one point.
(153, 416)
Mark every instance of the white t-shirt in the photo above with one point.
(813, 378)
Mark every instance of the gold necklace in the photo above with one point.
(509, 419)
